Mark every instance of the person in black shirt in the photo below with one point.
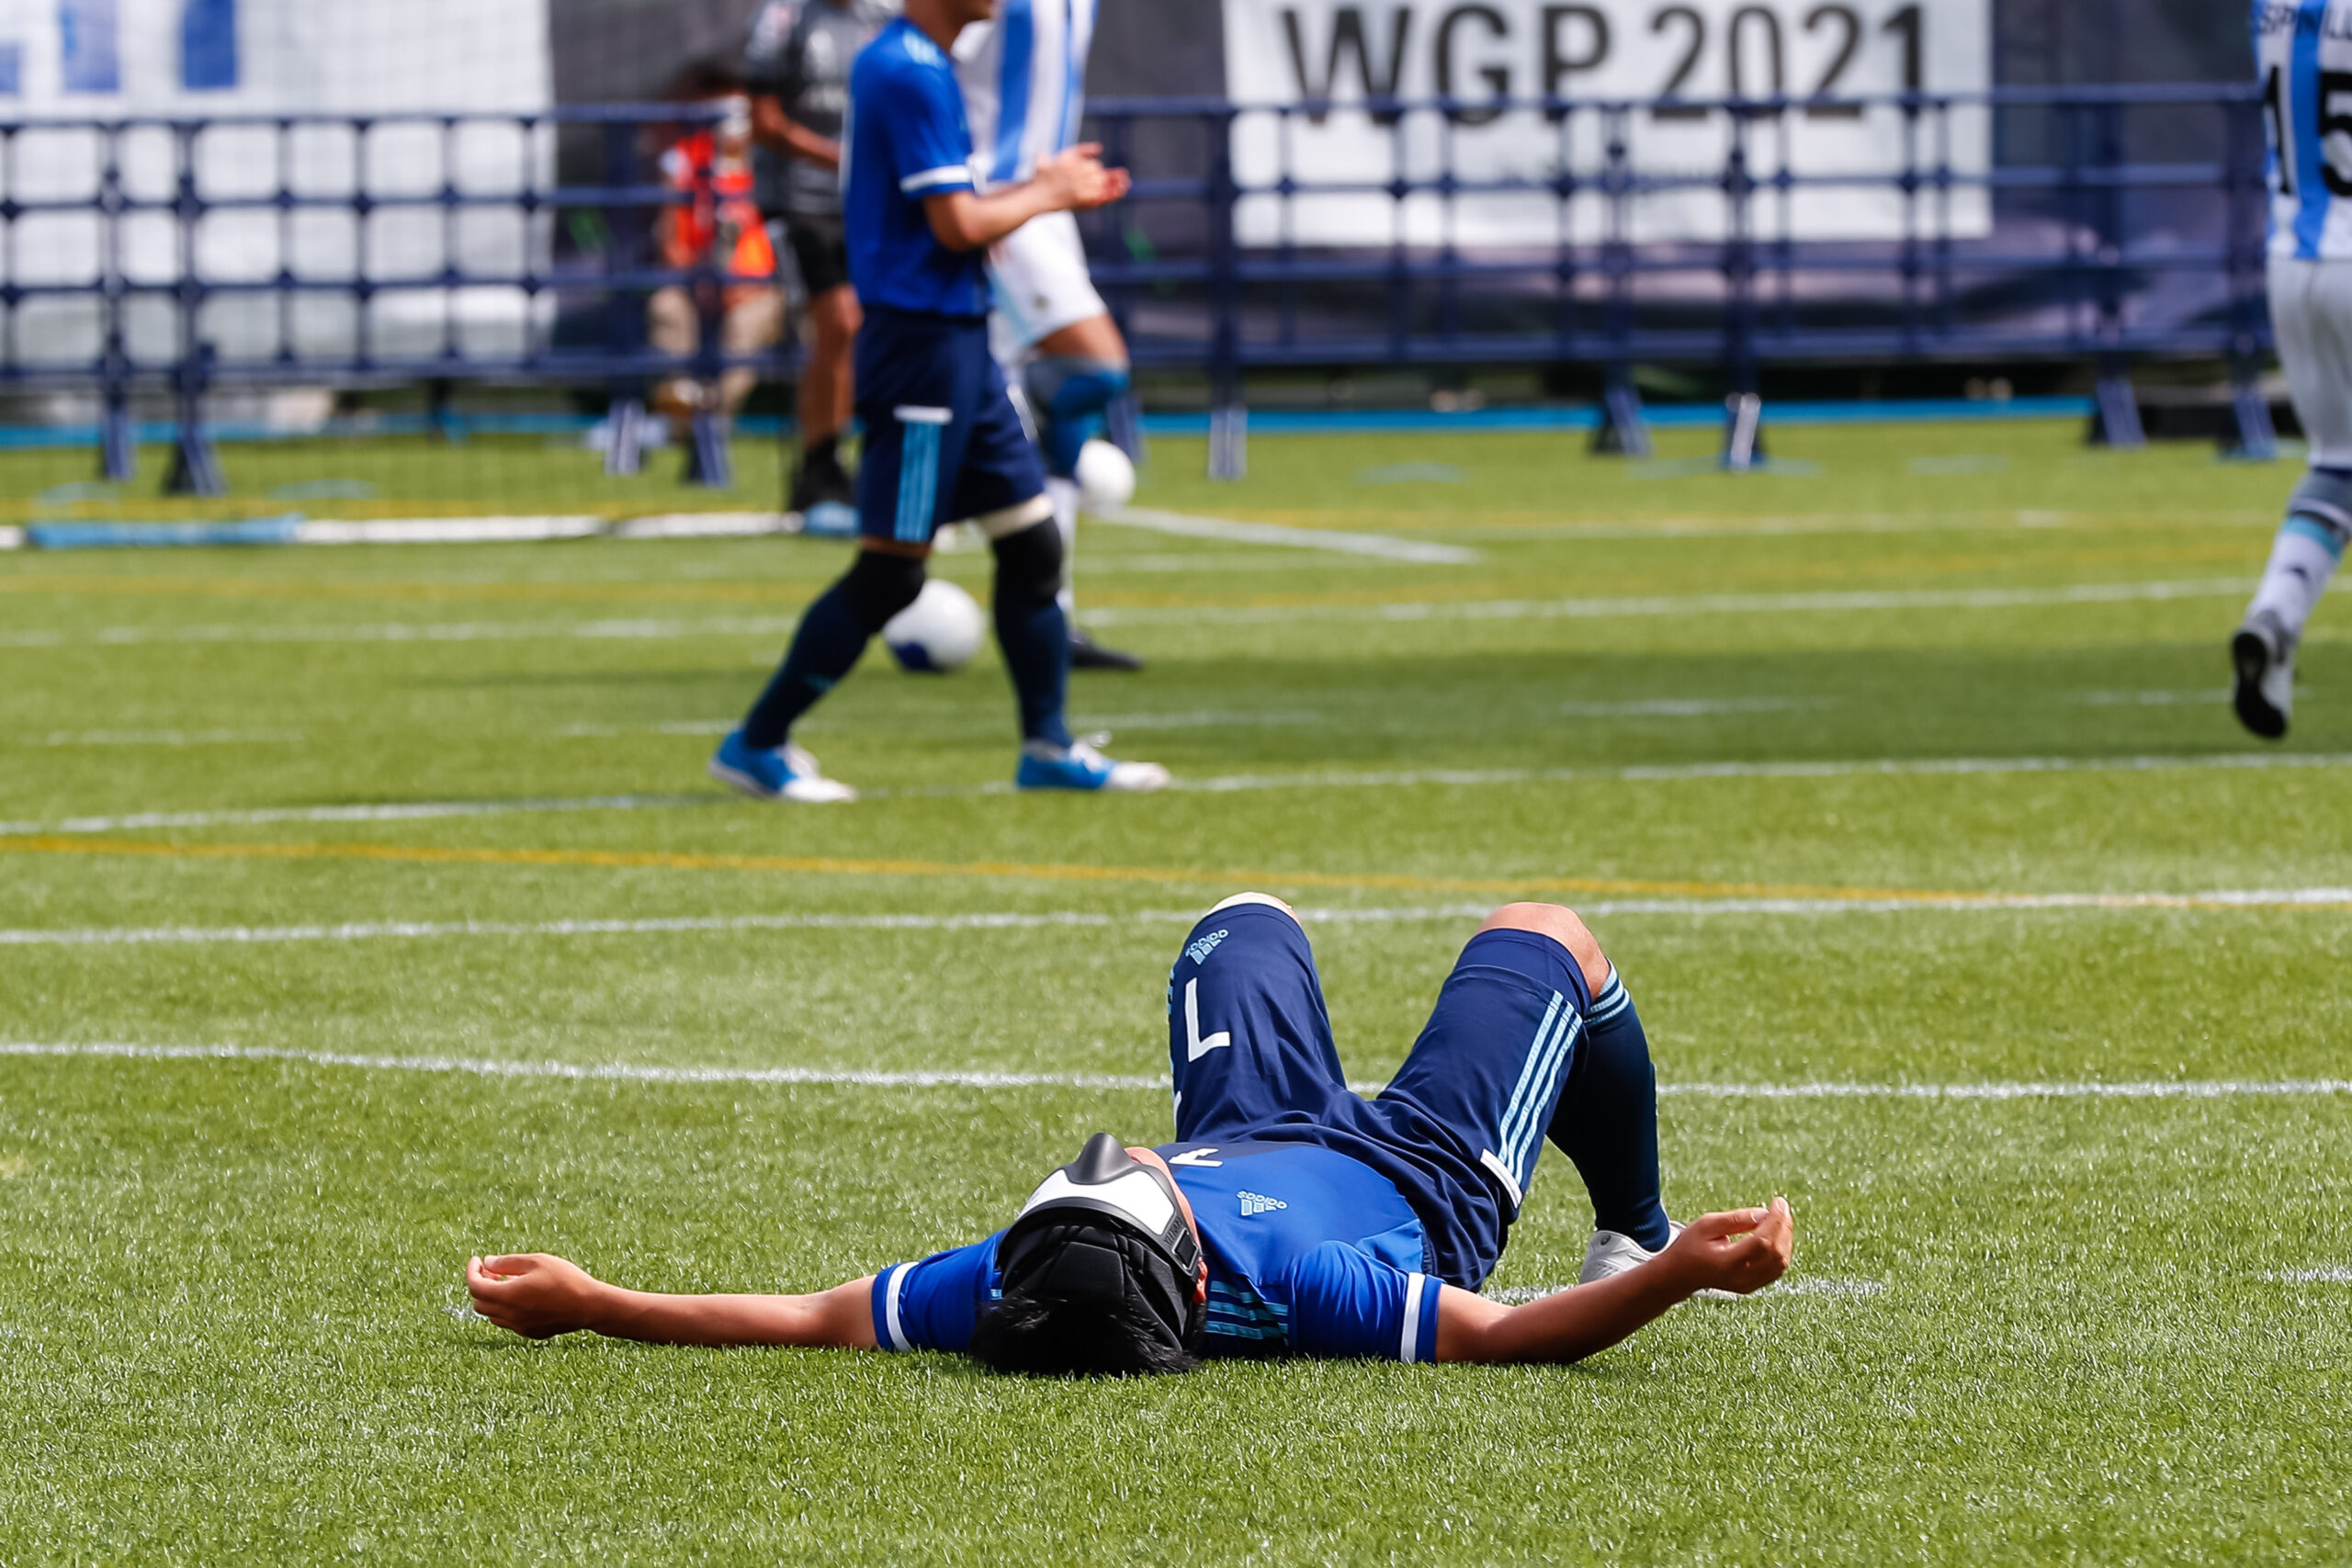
(798, 59)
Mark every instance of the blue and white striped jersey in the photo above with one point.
(1310, 1253)
(2302, 51)
(1023, 77)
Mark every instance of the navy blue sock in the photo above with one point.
(1032, 629)
(830, 637)
(1607, 1119)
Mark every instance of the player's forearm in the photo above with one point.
(964, 221)
(838, 1317)
(1565, 1327)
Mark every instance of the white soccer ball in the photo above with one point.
(1105, 476)
(939, 632)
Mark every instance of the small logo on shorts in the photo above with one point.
(1199, 952)
(1259, 1204)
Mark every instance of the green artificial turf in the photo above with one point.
(1789, 738)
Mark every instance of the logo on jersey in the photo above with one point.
(1259, 1204)
(1199, 952)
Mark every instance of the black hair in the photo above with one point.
(1049, 1337)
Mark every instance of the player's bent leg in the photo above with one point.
(1248, 1035)
(1563, 926)
(2303, 558)
(1077, 373)
(1476, 1092)
(758, 759)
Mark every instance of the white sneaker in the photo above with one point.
(785, 774)
(1609, 1254)
(1080, 766)
(2263, 657)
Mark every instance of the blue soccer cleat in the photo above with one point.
(1080, 766)
(785, 774)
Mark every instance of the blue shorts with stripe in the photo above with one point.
(943, 440)
(1458, 1130)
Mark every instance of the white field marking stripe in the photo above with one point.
(1690, 708)
(1224, 615)
(1335, 540)
(861, 1077)
(2334, 1274)
(624, 1072)
(1673, 604)
(411, 631)
(1463, 777)
(348, 931)
(405, 812)
(168, 737)
(1514, 1295)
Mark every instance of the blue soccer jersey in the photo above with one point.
(907, 140)
(1310, 1253)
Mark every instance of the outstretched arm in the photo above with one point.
(1073, 180)
(1742, 1251)
(538, 1295)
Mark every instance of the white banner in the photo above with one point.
(68, 60)
(1644, 52)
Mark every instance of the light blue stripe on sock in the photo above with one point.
(2317, 532)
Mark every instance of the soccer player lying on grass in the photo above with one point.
(1290, 1216)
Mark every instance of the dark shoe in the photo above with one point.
(820, 479)
(2263, 656)
(1085, 653)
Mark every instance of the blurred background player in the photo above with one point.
(719, 228)
(2301, 53)
(798, 61)
(1025, 81)
(941, 438)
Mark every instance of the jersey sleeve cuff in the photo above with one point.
(889, 1332)
(931, 182)
(1419, 1340)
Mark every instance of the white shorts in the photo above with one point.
(1037, 274)
(2310, 314)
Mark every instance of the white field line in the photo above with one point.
(863, 1078)
(1670, 773)
(425, 930)
(1335, 540)
(1804, 1286)
(1685, 605)
(1692, 707)
(2334, 1274)
(410, 631)
(1174, 615)
(167, 737)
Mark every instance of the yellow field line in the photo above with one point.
(812, 865)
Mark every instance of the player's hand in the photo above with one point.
(1740, 1250)
(534, 1293)
(1078, 179)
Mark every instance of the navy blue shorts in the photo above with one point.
(1460, 1127)
(943, 441)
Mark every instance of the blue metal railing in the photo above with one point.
(2083, 253)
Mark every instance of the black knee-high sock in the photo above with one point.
(830, 639)
(1032, 630)
(1607, 1119)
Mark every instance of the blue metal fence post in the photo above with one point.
(1228, 416)
(2253, 439)
(2115, 420)
(117, 445)
(624, 307)
(709, 463)
(1744, 409)
(1623, 430)
(195, 469)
